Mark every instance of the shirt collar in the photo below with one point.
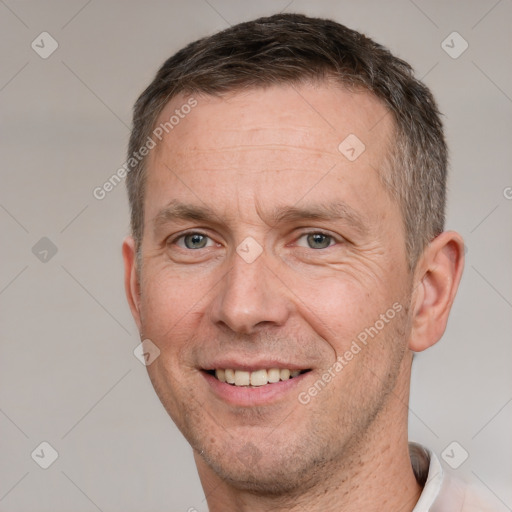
(433, 483)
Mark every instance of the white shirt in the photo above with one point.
(443, 493)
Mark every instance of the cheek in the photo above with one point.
(169, 303)
(339, 307)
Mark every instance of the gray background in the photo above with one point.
(68, 375)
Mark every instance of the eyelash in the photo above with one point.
(187, 233)
(303, 234)
(317, 232)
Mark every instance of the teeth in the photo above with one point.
(259, 378)
(256, 378)
(274, 375)
(230, 376)
(242, 378)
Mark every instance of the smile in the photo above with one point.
(255, 378)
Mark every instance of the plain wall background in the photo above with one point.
(68, 375)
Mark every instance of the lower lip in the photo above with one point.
(252, 396)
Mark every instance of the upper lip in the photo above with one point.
(245, 365)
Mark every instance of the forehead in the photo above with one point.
(270, 145)
(317, 116)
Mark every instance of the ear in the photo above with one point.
(131, 278)
(437, 278)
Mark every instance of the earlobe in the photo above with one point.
(131, 278)
(437, 278)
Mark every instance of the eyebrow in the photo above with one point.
(338, 210)
(176, 210)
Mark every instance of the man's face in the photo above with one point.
(265, 247)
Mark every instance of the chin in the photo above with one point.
(271, 478)
(280, 469)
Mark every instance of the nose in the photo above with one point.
(251, 296)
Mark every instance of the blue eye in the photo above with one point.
(193, 241)
(318, 240)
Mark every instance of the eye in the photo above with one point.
(317, 240)
(193, 241)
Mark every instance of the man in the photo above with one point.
(287, 258)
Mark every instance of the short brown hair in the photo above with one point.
(292, 48)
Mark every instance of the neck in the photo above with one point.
(374, 474)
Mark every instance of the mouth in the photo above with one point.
(256, 378)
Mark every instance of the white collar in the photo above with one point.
(432, 485)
